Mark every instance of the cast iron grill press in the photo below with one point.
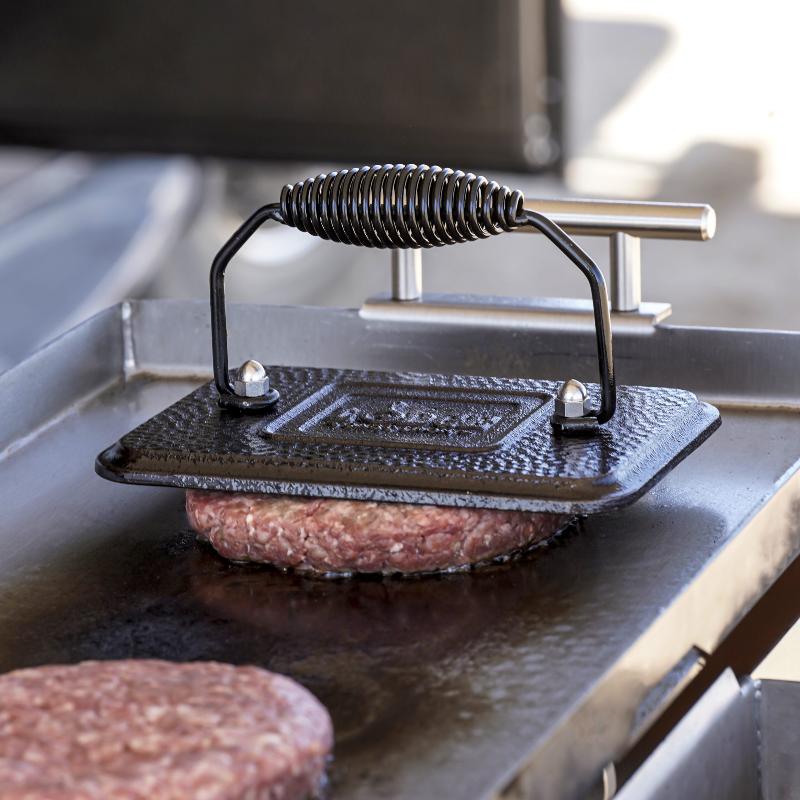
(409, 437)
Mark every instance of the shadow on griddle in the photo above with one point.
(370, 646)
(406, 613)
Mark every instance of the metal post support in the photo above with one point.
(406, 274)
(626, 272)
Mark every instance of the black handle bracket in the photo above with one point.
(406, 206)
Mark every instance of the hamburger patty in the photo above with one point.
(158, 730)
(335, 536)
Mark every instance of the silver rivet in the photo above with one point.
(572, 399)
(251, 380)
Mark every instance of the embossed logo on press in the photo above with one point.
(396, 415)
(411, 417)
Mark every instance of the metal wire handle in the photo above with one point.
(402, 206)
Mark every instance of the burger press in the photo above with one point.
(511, 443)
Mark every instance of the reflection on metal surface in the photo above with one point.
(251, 379)
(738, 742)
(571, 399)
(712, 753)
(694, 221)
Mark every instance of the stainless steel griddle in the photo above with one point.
(521, 680)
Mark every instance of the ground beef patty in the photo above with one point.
(157, 730)
(322, 535)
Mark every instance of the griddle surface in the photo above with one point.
(545, 665)
(411, 437)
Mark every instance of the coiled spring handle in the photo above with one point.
(402, 206)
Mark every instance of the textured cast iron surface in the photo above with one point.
(409, 437)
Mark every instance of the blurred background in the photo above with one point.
(135, 137)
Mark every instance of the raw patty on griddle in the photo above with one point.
(156, 730)
(335, 536)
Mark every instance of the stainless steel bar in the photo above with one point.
(626, 272)
(406, 274)
(693, 221)
(625, 223)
